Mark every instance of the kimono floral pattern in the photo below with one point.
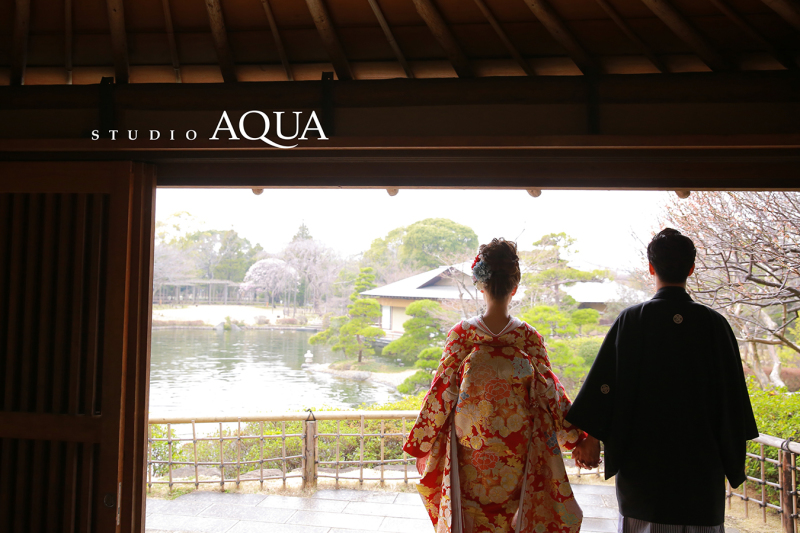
(508, 409)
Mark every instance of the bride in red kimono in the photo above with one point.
(489, 434)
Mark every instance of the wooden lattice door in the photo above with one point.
(75, 274)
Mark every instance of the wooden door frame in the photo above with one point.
(121, 426)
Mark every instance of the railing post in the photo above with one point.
(787, 509)
(310, 454)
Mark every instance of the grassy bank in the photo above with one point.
(369, 365)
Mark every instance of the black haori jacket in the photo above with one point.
(667, 397)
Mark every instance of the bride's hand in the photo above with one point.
(421, 462)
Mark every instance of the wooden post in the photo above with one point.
(405, 463)
(338, 455)
(225, 294)
(194, 447)
(746, 500)
(169, 463)
(763, 483)
(361, 455)
(239, 454)
(787, 509)
(283, 449)
(261, 456)
(221, 458)
(729, 495)
(310, 454)
(796, 495)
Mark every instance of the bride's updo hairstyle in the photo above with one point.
(501, 257)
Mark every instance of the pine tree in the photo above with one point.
(355, 332)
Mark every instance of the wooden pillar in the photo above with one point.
(309, 454)
(225, 294)
(177, 293)
(194, 293)
(787, 492)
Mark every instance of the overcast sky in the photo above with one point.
(349, 220)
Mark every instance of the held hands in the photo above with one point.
(587, 453)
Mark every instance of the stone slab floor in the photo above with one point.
(332, 511)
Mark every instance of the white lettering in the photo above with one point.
(263, 136)
(278, 125)
(158, 135)
(194, 135)
(95, 134)
(113, 134)
(228, 126)
(171, 135)
(135, 136)
(318, 127)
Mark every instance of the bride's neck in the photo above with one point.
(496, 310)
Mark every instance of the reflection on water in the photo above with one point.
(205, 373)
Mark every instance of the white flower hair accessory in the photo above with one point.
(481, 273)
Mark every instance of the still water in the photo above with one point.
(205, 373)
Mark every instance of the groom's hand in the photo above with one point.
(587, 453)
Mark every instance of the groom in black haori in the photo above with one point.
(667, 397)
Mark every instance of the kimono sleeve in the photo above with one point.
(733, 414)
(558, 401)
(441, 397)
(593, 408)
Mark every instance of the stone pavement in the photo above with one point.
(332, 511)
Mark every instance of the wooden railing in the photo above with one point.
(316, 445)
(240, 446)
(784, 484)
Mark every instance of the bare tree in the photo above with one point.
(748, 265)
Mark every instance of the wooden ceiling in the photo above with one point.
(55, 42)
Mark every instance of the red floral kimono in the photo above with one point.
(497, 399)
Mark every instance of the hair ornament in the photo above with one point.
(480, 270)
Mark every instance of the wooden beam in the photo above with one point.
(224, 54)
(433, 19)
(521, 61)
(387, 31)
(627, 30)
(173, 47)
(556, 27)
(273, 26)
(789, 10)
(736, 87)
(19, 43)
(684, 29)
(327, 31)
(68, 40)
(119, 40)
(754, 34)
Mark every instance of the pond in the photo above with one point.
(197, 372)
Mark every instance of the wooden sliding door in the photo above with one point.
(75, 275)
